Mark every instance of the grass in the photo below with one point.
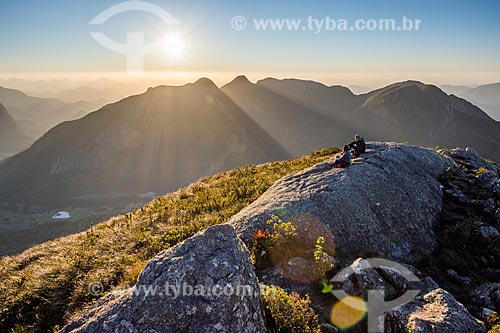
(47, 284)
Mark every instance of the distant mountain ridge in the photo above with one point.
(37, 115)
(486, 96)
(153, 142)
(12, 138)
(171, 135)
(299, 127)
(409, 111)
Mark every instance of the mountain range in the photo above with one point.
(12, 138)
(35, 115)
(486, 96)
(406, 111)
(170, 136)
(153, 142)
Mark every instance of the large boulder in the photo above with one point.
(436, 311)
(387, 202)
(205, 284)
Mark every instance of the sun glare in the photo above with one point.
(174, 46)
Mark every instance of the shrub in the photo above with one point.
(287, 313)
(493, 323)
(283, 232)
(260, 249)
(495, 329)
(271, 246)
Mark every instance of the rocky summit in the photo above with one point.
(388, 202)
(417, 220)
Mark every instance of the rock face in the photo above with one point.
(205, 284)
(436, 311)
(469, 155)
(387, 202)
(485, 299)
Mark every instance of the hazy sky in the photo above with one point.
(458, 41)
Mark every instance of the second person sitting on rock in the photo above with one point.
(344, 160)
(358, 146)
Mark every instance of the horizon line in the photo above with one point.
(220, 78)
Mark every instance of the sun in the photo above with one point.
(174, 46)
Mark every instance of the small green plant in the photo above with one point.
(323, 264)
(269, 246)
(322, 258)
(282, 232)
(287, 313)
(260, 249)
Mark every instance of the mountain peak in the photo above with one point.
(202, 82)
(240, 79)
(409, 83)
(205, 82)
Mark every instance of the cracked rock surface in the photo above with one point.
(388, 202)
(205, 284)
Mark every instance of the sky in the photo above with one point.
(458, 42)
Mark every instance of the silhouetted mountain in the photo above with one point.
(153, 142)
(329, 101)
(293, 122)
(453, 89)
(406, 111)
(487, 94)
(80, 94)
(170, 136)
(37, 115)
(424, 115)
(12, 138)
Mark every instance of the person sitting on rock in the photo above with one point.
(344, 160)
(358, 146)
